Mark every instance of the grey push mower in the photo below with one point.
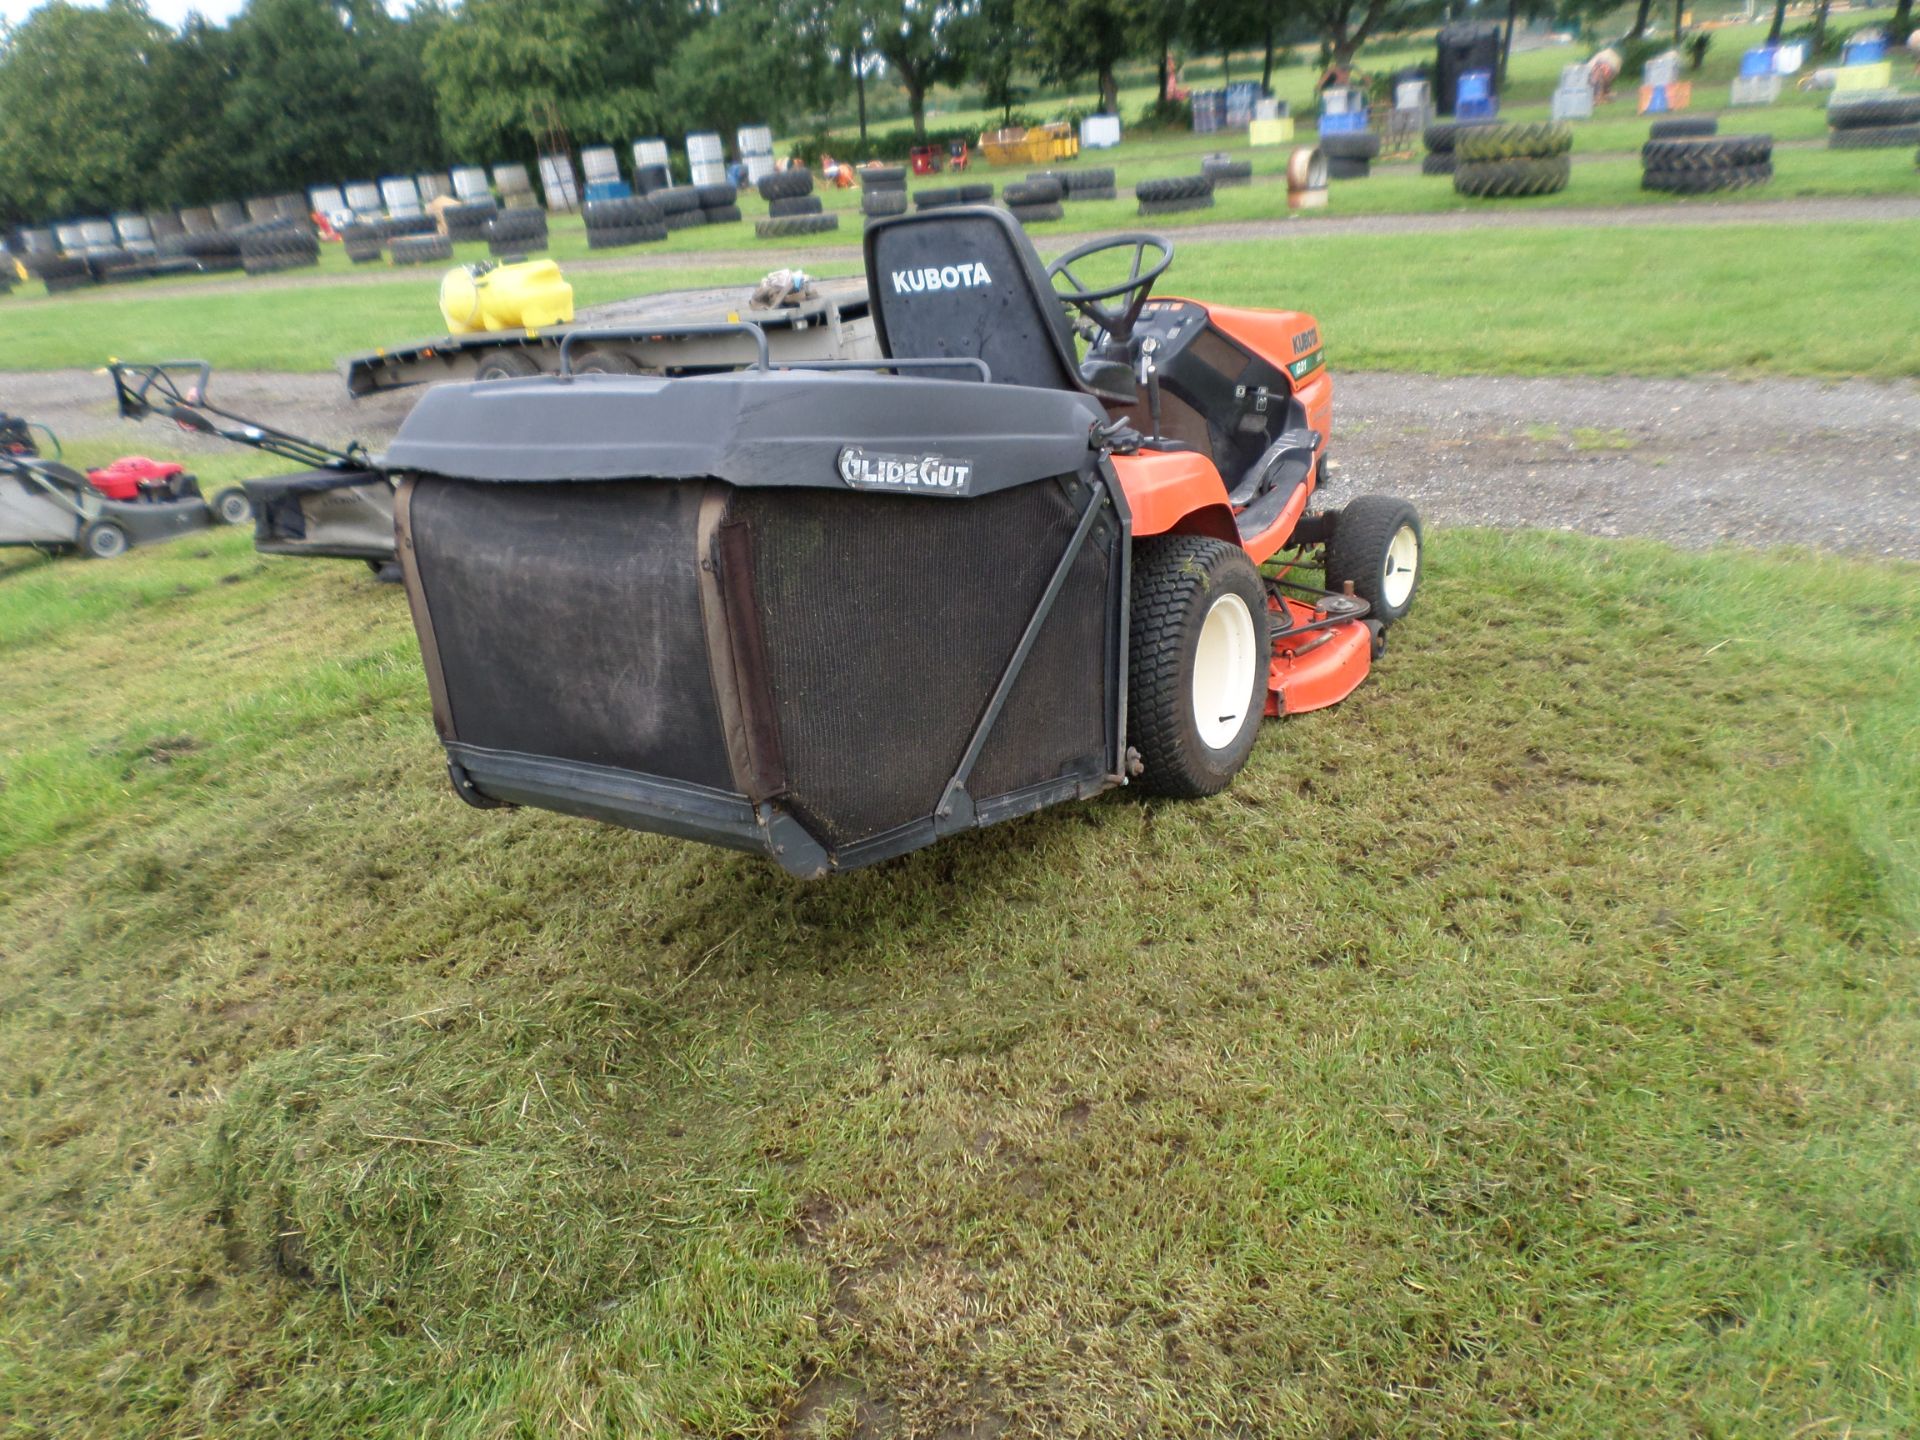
(50, 506)
(339, 506)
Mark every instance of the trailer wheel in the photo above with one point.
(606, 362)
(232, 506)
(1198, 656)
(506, 365)
(1377, 545)
(103, 540)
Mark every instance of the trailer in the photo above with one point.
(831, 323)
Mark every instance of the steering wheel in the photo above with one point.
(1136, 287)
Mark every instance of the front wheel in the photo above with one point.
(1198, 655)
(1377, 546)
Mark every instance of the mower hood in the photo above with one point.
(750, 428)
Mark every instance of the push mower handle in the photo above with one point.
(144, 390)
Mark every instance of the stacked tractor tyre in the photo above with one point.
(364, 244)
(630, 220)
(1706, 165)
(679, 207)
(1170, 196)
(1873, 120)
(1684, 127)
(1350, 153)
(719, 203)
(1033, 201)
(883, 190)
(513, 233)
(1498, 162)
(274, 245)
(466, 224)
(792, 207)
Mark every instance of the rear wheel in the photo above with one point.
(232, 507)
(1197, 666)
(104, 540)
(606, 362)
(1377, 546)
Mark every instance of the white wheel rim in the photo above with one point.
(1402, 568)
(1224, 663)
(234, 508)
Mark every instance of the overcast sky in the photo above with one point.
(172, 12)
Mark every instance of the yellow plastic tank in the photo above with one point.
(528, 296)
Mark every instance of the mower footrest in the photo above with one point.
(1287, 460)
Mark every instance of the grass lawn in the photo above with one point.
(1795, 300)
(1527, 1045)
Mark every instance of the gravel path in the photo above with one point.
(1693, 462)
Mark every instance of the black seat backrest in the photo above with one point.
(964, 280)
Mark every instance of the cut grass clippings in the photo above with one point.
(1526, 1044)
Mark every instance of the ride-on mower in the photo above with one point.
(49, 505)
(835, 611)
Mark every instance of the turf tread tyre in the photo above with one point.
(675, 199)
(464, 224)
(785, 226)
(618, 237)
(1536, 140)
(1707, 182)
(1174, 187)
(795, 205)
(1873, 111)
(1099, 178)
(1512, 179)
(1097, 192)
(882, 177)
(684, 219)
(1347, 167)
(1873, 137)
(784, 184)
(1359, 546)
(1174, 207)
(1176, 578)
(1227, 172)
(878, 203)
(1722, 152)
(1031, 192)
(720, 214)
(1439, 162)
(1350, 145)
(1038, 214)
(421, 249)
(1684, 127)
(619, 214)
(712, 197)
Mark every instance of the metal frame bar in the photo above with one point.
(663, 332)
(957, 362)
(956, 786)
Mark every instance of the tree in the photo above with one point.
(724, 74)
(1779, 22)
(922, 43)
(1346, 25)
(78, 98)
(997, 45)
(1073, 37)
(325, 89)
(502, 69)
